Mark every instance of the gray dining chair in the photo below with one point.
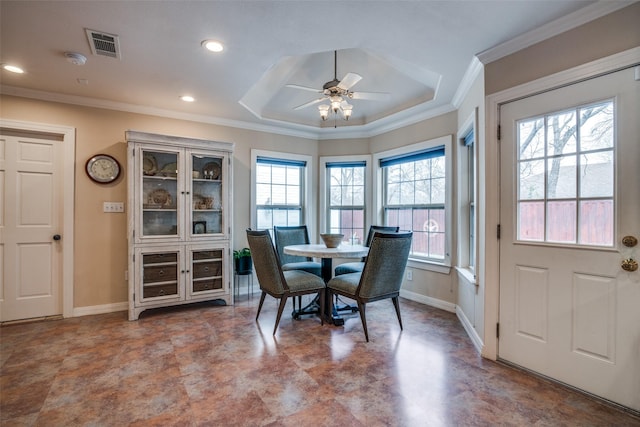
(276, 282)
(357, 266)
(381, 276)
(294, 235)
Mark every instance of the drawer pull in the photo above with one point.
(161, 273)
(161, 292)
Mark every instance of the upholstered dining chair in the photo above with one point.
(357, 266)
(294, 235)
(276, 282)
(381, 276)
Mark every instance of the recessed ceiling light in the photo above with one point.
(187, 98)
(13, 69)
(213, 45)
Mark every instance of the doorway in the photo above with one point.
(36, 220)
(568, 310)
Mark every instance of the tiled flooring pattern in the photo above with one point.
(214, 365)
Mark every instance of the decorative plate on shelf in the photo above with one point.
(202, 202)
(149, 164)
(160, 197)
(211, 170)
(170, 169)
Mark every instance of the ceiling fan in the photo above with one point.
(337, 92)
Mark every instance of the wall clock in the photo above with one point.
(103, 168)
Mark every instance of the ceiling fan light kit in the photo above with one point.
(337, 92)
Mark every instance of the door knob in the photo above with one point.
(629, 264)
(57, 237)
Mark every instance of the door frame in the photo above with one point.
(68, 135)
(489, 183)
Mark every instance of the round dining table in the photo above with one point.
(326, 256)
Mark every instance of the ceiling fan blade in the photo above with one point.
(349, 81)
(307, 88)
(315, 101)
(370, 96)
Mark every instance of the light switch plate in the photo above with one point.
(111, 207)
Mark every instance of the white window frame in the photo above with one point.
(307, 205)
(464, 266)
(443, 266)
(324, 188)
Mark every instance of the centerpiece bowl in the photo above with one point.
(332, 240)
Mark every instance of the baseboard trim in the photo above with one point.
(100, 309)
(433, 302)
(471, 331)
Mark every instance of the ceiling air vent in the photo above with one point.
(104, 44)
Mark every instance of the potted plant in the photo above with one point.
(243, 262)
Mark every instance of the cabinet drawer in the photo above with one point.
(160, 290)
(159, 258)
(160, 273)
(215, 254)
(207, 284)
(206, 269)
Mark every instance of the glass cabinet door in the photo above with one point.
(206, 194)
(160, 211)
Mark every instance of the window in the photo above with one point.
(471, 198)
(279, 189)
(467, 221)
(416, 196)
(566, 176)
(345, 184)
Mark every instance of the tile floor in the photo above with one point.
(214, 365)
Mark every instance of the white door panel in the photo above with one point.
(32, 191)
(567, 309)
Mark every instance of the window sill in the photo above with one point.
(429, 266)
(467, 275)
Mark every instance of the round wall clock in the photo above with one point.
(103, 168)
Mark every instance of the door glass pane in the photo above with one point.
(596, 126)
(596, 222)
(531, 180)
(159, 193)
(561, 179)
(561, 133)
(531, 139)
(561, 221)
(206, 194)
(596, 173)
(531, 221)
(573, 176)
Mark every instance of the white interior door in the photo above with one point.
(30, 227)
(570, 171)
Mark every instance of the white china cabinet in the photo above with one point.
(179, 211)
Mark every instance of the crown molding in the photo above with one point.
(473, 71)
(553, 28)
(389, 123)
(152, 111)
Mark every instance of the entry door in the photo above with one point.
(30, 223)
(570, 177)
